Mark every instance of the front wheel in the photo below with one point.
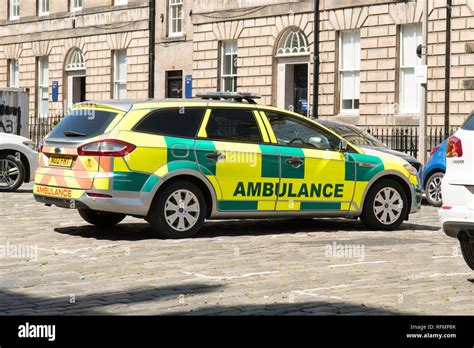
(467, 250)
(385, 206)
(433, 190)
(101, 219)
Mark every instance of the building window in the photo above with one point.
(175, 17)
(43, 85)
(14, 9)
(13, 73)
(410, 90)
(174, 84)
(76, 5)
(120, 2)
(349, 68)
(43, 7)
(229, 66)
(120, 74)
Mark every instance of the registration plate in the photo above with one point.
(60, 161)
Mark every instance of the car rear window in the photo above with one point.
(177, 122)
(83, 123)
(469, 124)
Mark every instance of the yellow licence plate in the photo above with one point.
(60, 161)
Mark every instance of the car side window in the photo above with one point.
(233, 125)
(178, 122)
(292, 131)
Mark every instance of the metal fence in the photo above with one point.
(405, 138)
(39, 126)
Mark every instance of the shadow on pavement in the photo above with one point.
(233, 228)
(166, 300)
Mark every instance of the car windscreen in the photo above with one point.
(354, 135)
(82, 123)
(469, 124)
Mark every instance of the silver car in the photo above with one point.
(18, 161)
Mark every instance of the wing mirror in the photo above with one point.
(343, 145)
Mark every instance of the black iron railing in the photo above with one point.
(40, 126)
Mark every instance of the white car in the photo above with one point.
(18, 161)
(457, 212)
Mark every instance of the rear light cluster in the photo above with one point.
(454, 147)
(108, 148)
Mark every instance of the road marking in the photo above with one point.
(315, 295)
(436, 275)
(445, 256)
(246, 275)
(357, 263)
(75, 251)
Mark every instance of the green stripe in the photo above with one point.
(350, 167)
(150, 183)
(175, 165)
(366, 173)
(203, 147)
(320, 206)
(270, 162)
(180, 149)
(237, 205)
(287, 170)
(129, 181)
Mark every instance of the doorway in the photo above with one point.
(293, 87)
(76, 89)
(174, 84)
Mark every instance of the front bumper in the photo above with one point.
(457, 219)
(417, 198)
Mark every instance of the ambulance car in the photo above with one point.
(176, 163)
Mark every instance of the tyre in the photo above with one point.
(385, 206)
(101, 219)
(12, 173)
(178, 211)
(433, 189)
(467, 250)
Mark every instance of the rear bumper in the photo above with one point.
(457, 219)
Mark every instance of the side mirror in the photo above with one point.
(343, 145)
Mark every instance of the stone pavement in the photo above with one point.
(51, 262)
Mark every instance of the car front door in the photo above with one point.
(315, 176)
(234, 152)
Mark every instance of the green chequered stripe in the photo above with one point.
(203, 147)
(180, 149)
(150, 183)
(350, 167)
(363, 173)
(287, 170)
(237, 205)
(129, 181)
(320, 206)
(270, 162)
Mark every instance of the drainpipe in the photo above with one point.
(447, 98)
(316, 61)
(151, 48)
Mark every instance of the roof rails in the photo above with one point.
(236, 96)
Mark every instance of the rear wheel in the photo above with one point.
(12, 173)
(433, 189)
(101, 219)
(385, 206)
(467, 250)
(178, 211)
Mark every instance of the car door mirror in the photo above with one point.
(342, 145)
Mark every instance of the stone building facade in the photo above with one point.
(89, 49)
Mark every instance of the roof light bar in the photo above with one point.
(236, 96)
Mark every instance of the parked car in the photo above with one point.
(358, 137)
(433, 173)
(457, 212)
(177, 166)
(18, 161)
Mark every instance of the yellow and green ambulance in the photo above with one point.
(176, 163)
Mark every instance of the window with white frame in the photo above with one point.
(43, 85)
(120, 2)
(76, 5)
(120, 74)
(349, 69)
(410, 90)
(228, 66)
(14, 9)
(43, 7)
(175, 18)
(13, 73)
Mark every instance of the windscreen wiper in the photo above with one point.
(73, 134)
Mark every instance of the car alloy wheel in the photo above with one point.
(9, 173)
(388, 205)
(182, 210)
(434, 189)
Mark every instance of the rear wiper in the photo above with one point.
(73, 134)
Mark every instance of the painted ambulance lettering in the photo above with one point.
(56, 192)
(269, 189)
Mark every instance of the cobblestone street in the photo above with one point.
(291, 267)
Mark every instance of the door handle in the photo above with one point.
(215, 156)
(295, 162)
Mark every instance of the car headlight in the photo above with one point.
(412, 170)
(30, 144)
